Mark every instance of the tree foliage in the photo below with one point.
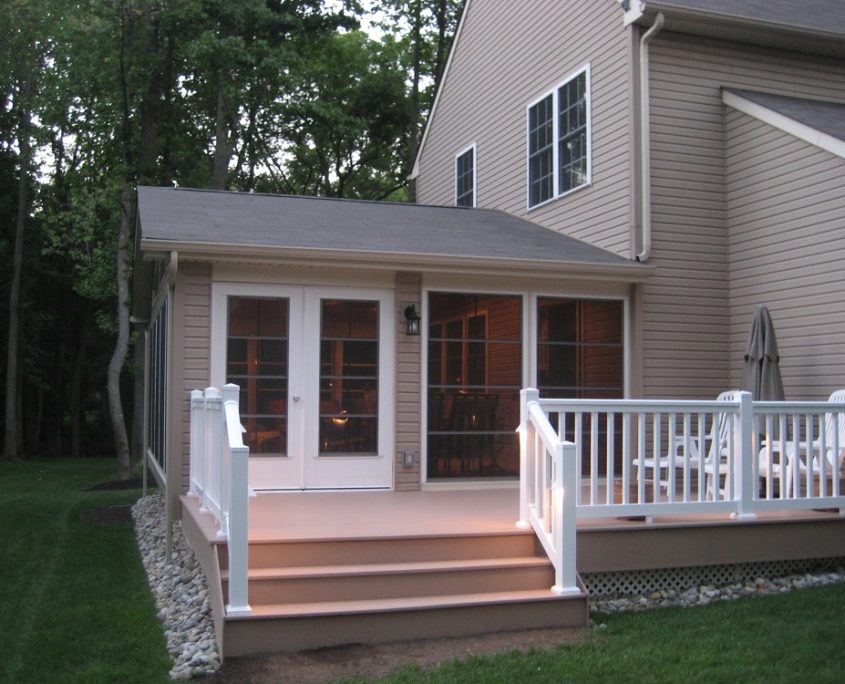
(269, 95)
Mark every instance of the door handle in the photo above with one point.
(295, 397)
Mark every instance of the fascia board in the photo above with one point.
(390, 261)
(784, 123)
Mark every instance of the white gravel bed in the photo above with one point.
(180, 591)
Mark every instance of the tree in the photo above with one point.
(425, 29)
(345, 128)
(25, 52)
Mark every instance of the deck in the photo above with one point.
(397, 565)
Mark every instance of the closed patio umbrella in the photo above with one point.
(761, 373)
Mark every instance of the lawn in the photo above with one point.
(76, 608)
(76, 605)
(793, 637)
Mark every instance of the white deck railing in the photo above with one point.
(219, 478)
(646, 458)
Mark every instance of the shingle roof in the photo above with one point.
(337, 225)
(827, 117)
(827, 16)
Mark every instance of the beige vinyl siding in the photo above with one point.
(786, 237)
(689, 349)
(193, 307)
(510, 54)
(408, 373)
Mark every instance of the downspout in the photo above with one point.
(645, 139)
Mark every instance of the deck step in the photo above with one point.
(349, 551)
(299, 626)
(396, 580)
(328, 608)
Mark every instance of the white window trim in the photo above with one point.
(555, 93)
(474, 172)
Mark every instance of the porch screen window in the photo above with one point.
(465, 178)
(474, 377)
(257, 361)
(580, 355)
(157, 420)
(559, 140)
(349, 372)
(579, 348)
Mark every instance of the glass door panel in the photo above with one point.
(349, 374)
(257, 361)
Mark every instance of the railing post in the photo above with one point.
(566, 476)
(238, 505)
(212, 449)
(526, 395)
(196, 449)
(745, 477)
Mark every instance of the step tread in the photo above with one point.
(410, 567)
(292, 610)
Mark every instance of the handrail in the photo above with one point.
(647, 458)
(547, 491)
(219, 478)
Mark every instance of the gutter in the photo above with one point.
(625, 271)
(645, 138)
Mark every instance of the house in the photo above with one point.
(701, 137)
(606, 191)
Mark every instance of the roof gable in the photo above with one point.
(817, 122)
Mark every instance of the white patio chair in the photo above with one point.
(829, 445)
(683, 451)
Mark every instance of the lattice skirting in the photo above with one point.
(640, 582)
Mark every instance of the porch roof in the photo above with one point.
(379, 234)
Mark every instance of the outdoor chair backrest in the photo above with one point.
(834, 431)
(724, 421)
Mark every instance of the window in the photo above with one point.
(474, 378)
(465, 178)
(157, 382)
(559, 140)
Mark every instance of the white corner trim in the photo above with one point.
(784, 123)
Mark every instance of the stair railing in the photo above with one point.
(219, 477)
(548, 482)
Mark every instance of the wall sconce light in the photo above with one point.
(412, 320)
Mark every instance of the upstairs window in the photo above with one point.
(559, 140)
(465, 178)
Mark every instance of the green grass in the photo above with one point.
(74, 600)
(794, 637)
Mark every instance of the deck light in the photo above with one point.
(412, 320)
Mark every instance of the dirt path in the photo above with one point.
(327, 664)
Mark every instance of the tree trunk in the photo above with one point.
(223, 145)
(11, 440)
(413, 130)
(121, 441)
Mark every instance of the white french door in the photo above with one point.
(315, 367)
